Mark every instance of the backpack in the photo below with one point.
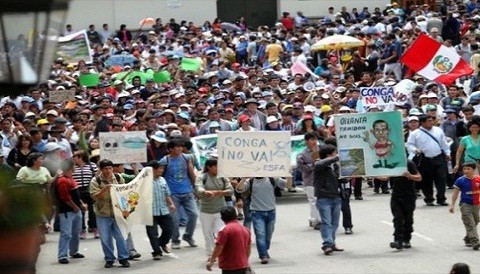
(277, 190)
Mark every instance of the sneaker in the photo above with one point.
(292, 190)
(165, 249)
(397, 245)
(385, 191)
(327, 250)
(407, 244)
(175, 245)
(77, 256)
(63, 261)
(96, 235)
(376, 190)
(476, 246)
(348, 231)
(108, 264)
(335, 248)
(134, 255)
(442, 203)
(157, 257)
(83, 235)
(265, 260)
(359, 198)
(317, 226)
(90, 230)
(124, 263)
(190, 241)
(240, 217)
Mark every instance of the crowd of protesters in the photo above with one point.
(244, 84)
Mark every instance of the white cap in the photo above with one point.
(49, 147)
(310, 108)
(344, 108)
(431, 95)
(117, 82)
(271, 119)
(52, 112)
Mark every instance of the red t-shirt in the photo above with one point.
(236, 241)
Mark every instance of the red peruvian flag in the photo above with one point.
(435, 61)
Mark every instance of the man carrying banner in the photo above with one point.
(162, 206)
(107, 226)
(329, 197)
(429, 141)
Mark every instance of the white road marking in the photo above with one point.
(414, 233)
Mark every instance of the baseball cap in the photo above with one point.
(271, 119)
(52, 112)
(243, 118)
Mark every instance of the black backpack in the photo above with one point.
(277, 190)
(204, 180)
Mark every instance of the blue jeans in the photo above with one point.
(108, 229)
(187, 201)
(263, 226)
(329, 209)
(70, 227)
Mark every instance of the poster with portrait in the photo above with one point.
(370, 144)
(124, 147)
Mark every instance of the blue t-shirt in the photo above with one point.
(469, 190)
(176, 174)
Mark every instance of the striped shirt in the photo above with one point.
(84, 175)
(160, 193)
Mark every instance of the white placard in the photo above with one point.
(61, 95)
(254, 154)
(124, 147)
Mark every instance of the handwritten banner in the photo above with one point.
(120, 60)
(132, 202)
(379, 96)
(370, 144)
(61, 95)
(124, 147)
(254, 154)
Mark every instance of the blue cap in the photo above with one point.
(128, 106)
(183, 115)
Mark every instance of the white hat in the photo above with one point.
(159, 136)
(29, 114)
(178, 95)
(176, 133)
(226, 82)
(344, 108)
(310, 108)
(117, 82)
(49, 147)
(325, 96)
(413, 118)
(271, 119)
(135, 91)
(52, 112)
(431, 95)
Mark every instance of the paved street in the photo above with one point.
(437, 245)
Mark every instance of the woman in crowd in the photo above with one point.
(469, 145)
(17, 157)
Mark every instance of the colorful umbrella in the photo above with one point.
(147, 21)
(230, 26)
(337, 42)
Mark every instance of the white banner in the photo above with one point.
(61, 95)
(132, 202)
(254, 154)
(379, 96)
(124, 147)
(75, 47)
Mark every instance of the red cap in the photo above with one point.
(307, 117)
(229, 110)
(235, 65)
(243, 118)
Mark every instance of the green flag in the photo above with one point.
(89, 80)
(162, 77)
(191, 64)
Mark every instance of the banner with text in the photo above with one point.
(61, 95)
(132, 202)
(124, 147)
(249, 154)
(205, 146)
(75, 47)
(379, 96)
(370, 144)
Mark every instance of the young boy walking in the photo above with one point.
(468, 186)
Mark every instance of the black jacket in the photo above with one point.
(325, 179)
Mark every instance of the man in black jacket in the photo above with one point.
(329, 196)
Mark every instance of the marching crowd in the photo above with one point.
(245, 84)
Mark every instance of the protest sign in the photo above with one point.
(132, 202)
(75, 47)
(403, 90)
(120, 60)
(162, 77)
(124, 147)
(191, 64)
(128, 76)
(89, 80)
(206, 145)
(379, 96)
(370, 144)
(61, 95)
(257, 153)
